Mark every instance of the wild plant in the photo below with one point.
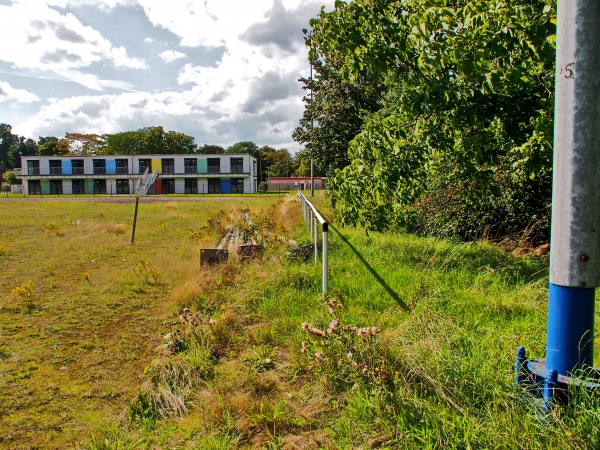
(26, 294)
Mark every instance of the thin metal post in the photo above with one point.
(316, 237)
(575, 245)
(137, 201)
(325, 262)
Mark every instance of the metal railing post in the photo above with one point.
(316, 237)
(312, 219)
(325, 262)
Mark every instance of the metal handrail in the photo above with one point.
(141, 181)
(312, 217)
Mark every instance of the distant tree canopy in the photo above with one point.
(462, 132)
(149, 140)
(244, 147)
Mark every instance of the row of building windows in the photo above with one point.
(215, 186)
(121, 166)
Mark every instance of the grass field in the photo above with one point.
(104, 344)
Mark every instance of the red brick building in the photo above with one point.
(291, 183)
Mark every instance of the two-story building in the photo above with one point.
(139, 174)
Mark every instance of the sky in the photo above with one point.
(222, 71)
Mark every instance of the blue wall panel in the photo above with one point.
(67, 167)
(225, 186)
(111, 166)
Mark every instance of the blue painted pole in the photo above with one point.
(575, 243)
(570, 338)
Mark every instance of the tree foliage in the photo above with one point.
(244, 147)
(148, 141)
(335, 110)
(468, 98)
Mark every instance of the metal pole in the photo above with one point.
(137, 201)
(316, 235)
(325, 262)
(575, 244)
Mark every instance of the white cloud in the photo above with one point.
(43, 38)
(171, 55)
(7, 92)
(250, 93)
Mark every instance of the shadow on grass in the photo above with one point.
(380, 280)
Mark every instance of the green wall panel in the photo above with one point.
(202, 166)
(89, 186)
(45, 185)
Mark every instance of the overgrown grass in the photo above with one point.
(413, 348)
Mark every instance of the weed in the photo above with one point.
(261, 358)
(26, 294)
(4, 250)
(118, 229)
(142, 411)
(147, 273)
(53, 228)
(112, 437)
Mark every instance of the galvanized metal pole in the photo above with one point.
(316, 237)
(137, 201)
(575, 244)
(325, 261)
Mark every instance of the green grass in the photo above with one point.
(153, 351)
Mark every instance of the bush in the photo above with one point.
(509, 205)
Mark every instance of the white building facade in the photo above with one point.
(139, 174)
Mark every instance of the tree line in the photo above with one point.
(150, 140)
(434, 116)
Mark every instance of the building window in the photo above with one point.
(78, 186)
(35, 187)
(56, 187)
(214, 165)
(77, 166)
(55, 167)
(100, 169)
(237, 186)
(122, 186)
(191, 165)
(122, 166)
(237, 165)
(99, 186)
(145, 164)
(214, 185)
(168, 165)
(168, 186)
(33, 167)
(191, 186)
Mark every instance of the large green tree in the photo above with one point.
(244, 147)
(468, 96)
(336, 108)
(7, 141)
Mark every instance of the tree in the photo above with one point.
(335, 111)
(301, 164)
(207, 149)
(48, 146)
(179, 143)
(274, 163)
(468, 95)
(125, 143)
(7, 140)
(9, 178)
(22, 147)
(79, 144)
(244, 147)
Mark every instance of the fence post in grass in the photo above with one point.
(325, 261)
(575, 243)
(316, 238)
(137, 201)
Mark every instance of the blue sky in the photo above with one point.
(222, 71)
